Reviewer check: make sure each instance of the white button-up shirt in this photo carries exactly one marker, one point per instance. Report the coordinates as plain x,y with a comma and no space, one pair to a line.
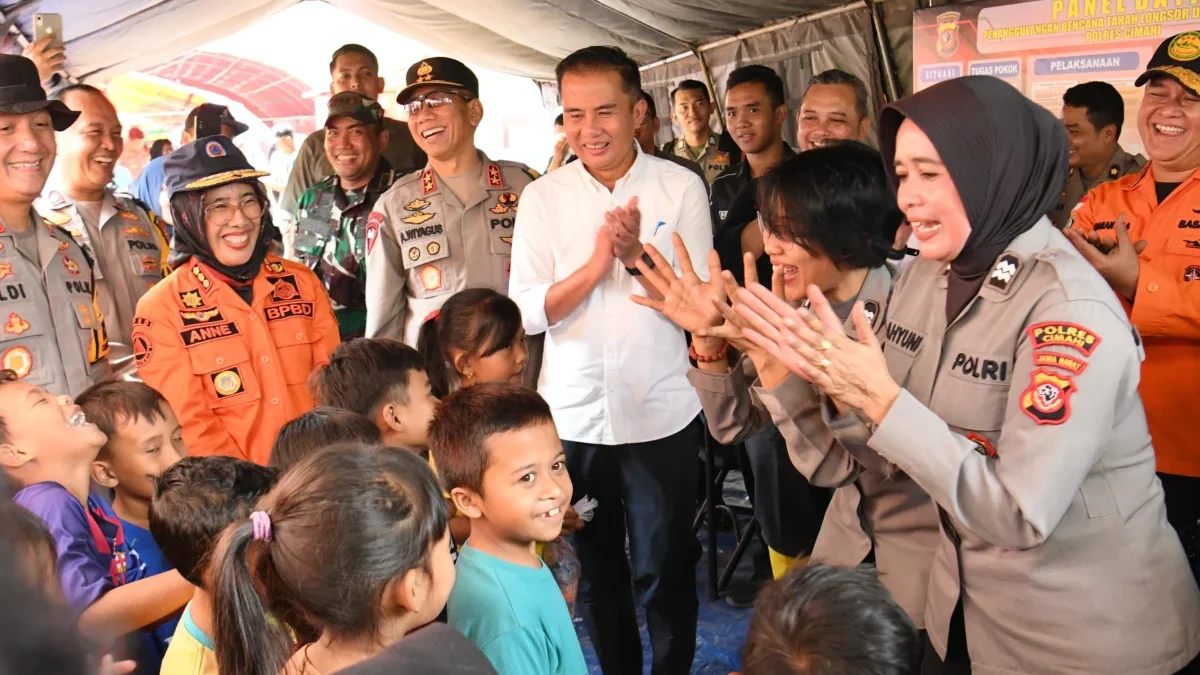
613,372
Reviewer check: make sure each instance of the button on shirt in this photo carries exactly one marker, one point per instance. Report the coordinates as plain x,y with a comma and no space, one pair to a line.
613,372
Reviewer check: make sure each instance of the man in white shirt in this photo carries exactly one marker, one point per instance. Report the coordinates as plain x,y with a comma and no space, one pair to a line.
615,373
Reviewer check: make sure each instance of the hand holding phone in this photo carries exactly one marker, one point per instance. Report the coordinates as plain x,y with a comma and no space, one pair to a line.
47,51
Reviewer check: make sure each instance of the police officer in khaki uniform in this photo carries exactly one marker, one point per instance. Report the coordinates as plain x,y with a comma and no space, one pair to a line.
122,237
51,328
450,225
691,108
1006,387
1093,113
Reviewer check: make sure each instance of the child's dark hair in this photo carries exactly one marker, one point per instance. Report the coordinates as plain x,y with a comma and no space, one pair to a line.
320,428
28,535
835,202
35,635
822,620
465,420
343,523
110,404
195,500
478,321
364,374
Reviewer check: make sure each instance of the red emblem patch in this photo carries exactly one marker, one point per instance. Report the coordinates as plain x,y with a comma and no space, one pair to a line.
1055,360
1047,400
71,265
373,223
495,179
982,445
428,182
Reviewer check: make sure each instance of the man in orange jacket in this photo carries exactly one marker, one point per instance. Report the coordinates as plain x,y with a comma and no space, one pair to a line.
231,336
1142,233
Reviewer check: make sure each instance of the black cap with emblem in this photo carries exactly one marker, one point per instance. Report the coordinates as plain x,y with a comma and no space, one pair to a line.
21,92
206,163
438,70
1178,58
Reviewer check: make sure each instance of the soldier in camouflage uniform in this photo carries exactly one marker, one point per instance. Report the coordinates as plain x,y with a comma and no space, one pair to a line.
331,235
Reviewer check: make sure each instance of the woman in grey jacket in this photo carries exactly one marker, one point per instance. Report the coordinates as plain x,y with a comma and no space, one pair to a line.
829,219
1006,387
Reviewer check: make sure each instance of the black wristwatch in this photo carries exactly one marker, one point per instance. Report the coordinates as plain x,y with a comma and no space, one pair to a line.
633,271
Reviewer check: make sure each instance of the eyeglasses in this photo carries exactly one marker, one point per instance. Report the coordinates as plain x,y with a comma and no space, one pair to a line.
433,100
223,212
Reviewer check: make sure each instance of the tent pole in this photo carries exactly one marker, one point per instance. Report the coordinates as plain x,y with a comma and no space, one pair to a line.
891,83
712,85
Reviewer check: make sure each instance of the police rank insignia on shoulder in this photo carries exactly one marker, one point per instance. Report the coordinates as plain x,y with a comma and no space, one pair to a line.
1004,272
494,177
871,310
274,267
1047,400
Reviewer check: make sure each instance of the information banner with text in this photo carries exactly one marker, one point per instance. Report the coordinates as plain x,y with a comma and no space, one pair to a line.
1044,47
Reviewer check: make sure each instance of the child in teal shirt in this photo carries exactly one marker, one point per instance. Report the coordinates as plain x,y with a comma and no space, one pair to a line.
498,452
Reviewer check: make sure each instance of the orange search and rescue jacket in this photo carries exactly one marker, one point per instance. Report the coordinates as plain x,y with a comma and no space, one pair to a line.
1166,307
234,373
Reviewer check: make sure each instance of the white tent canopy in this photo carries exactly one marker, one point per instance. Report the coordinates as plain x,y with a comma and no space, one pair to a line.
522,37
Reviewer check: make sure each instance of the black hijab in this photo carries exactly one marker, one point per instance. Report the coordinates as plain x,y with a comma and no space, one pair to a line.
191,239
1006,155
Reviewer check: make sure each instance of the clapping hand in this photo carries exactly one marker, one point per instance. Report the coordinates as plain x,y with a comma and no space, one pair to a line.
688,301
625,225
813,344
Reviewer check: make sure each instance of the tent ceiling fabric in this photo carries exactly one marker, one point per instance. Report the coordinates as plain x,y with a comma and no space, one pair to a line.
268,93
522,37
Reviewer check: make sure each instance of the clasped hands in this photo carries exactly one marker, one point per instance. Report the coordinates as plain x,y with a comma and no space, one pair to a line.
808,341
620,235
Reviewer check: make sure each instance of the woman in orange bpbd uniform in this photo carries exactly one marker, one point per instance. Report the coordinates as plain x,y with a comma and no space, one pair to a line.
231,336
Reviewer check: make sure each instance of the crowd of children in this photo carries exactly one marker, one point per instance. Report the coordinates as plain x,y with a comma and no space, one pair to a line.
428,488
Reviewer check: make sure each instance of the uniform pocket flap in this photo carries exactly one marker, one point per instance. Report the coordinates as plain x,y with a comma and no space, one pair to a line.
208,358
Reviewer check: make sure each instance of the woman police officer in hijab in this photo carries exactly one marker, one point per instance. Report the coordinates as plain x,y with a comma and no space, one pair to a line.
1006,388
231,336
